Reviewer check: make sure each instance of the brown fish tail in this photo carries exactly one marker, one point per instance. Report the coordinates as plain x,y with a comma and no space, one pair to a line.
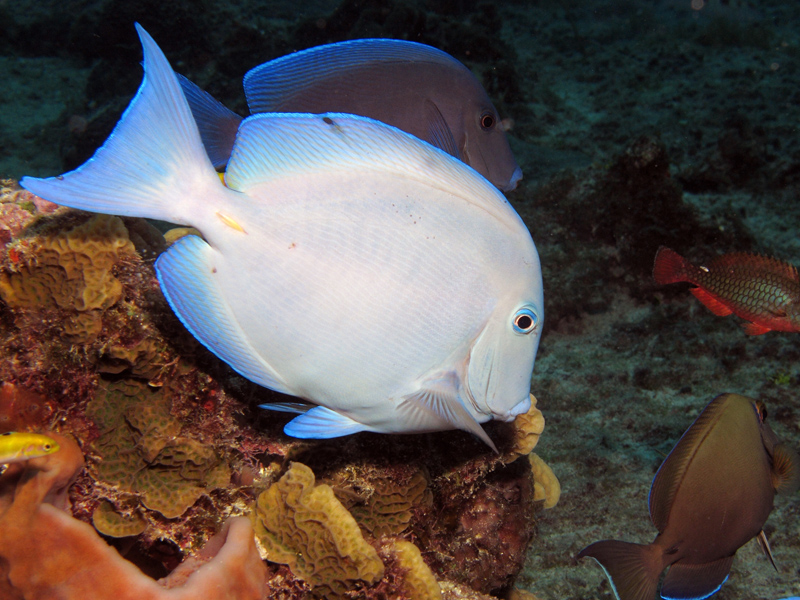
671,267
632,569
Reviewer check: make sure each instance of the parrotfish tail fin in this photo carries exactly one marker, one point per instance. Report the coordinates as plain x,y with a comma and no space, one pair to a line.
785,469
693,582
152,165
671,267
632,569
217,124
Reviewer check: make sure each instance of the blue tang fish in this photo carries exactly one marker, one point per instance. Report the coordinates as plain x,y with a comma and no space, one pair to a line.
712,494
415,87
343,261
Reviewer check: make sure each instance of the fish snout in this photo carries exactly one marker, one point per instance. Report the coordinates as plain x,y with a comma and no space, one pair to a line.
516,176
520,408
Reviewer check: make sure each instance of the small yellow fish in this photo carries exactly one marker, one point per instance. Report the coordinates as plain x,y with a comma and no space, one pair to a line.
22,446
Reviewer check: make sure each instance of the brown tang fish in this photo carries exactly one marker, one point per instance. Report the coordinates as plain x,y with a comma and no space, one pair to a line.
414,87
762,290
710,496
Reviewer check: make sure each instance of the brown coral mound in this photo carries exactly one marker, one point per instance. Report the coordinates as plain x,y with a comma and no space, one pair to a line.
45,553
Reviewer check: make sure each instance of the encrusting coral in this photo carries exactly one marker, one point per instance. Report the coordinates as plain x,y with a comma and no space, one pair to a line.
45,553
306,527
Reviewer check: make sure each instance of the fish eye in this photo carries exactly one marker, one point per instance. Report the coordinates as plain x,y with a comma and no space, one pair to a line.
487,121
47,446
525,320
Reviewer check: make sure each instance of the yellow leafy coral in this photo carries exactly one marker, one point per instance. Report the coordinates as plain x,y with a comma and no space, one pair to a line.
304,526
527,430
384,503
546,485
142,451
419,581
72,269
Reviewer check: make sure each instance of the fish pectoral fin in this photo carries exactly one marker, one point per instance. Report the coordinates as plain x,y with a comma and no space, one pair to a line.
755,329
685,581
437,405
439,133
323,423
711,302
763,542
785,469
188,277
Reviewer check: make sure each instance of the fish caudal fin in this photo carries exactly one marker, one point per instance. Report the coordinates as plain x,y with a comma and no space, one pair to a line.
152,165
632,569
692,582
671,267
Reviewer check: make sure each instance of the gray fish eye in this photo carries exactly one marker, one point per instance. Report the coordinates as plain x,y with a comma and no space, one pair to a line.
525,320
487,121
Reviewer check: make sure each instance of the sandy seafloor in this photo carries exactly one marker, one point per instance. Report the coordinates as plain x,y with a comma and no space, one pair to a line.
624,367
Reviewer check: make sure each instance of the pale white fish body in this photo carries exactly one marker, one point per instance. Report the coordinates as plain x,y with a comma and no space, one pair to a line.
346,262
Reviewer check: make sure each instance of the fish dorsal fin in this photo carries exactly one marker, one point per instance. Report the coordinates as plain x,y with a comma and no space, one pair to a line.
216,123
670,473
756,262
689,581
785,469
273,146
438,403
268,85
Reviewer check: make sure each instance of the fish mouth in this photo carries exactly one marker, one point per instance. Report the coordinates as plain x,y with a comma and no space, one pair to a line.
520,408
516,176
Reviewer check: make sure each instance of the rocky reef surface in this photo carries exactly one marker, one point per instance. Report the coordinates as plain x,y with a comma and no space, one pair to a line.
637,124
181,467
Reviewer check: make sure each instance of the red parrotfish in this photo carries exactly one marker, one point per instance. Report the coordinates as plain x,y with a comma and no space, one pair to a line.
762,290
711,495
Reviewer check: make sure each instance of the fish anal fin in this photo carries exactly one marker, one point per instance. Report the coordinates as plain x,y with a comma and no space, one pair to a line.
785,469
187,275
763,543
437,403
323,423
686,581
755,328
439,133
632,569
711,302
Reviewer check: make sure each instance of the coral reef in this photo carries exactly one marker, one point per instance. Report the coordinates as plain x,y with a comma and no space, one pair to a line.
305,526
175,445
546,486
45,553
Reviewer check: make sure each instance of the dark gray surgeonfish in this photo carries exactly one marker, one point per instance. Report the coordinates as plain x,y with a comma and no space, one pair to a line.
710,496
414,87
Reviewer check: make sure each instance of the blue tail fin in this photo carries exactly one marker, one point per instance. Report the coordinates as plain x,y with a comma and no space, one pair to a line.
152,165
